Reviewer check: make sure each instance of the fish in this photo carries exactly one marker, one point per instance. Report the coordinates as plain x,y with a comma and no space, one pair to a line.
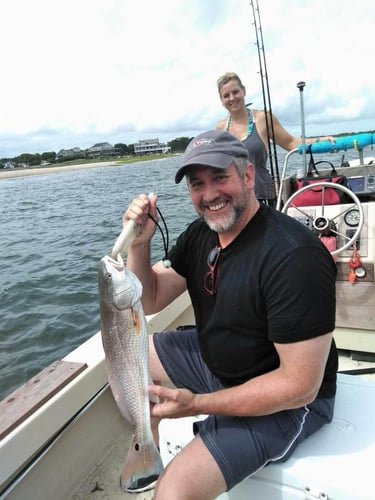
125,342
124,239
126,236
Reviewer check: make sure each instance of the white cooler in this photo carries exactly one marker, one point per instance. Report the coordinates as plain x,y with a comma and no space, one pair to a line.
335,463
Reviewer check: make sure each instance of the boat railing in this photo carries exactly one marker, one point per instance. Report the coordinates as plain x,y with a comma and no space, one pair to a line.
357,142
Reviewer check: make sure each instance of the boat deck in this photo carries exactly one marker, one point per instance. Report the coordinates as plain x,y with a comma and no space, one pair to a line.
103,482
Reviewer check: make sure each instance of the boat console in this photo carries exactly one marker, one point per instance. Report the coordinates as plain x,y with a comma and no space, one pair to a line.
361,180
352,221
362,184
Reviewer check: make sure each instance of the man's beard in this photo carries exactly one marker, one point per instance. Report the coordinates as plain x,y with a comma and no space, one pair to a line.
226,222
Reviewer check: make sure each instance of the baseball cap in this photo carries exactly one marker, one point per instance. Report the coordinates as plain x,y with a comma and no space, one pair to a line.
214,148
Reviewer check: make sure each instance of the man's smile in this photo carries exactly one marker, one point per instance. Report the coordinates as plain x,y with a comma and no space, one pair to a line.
216,207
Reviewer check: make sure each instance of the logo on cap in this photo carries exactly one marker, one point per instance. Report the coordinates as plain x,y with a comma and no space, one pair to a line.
202,141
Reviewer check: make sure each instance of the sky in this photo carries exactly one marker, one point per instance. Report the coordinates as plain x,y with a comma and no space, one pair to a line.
78,72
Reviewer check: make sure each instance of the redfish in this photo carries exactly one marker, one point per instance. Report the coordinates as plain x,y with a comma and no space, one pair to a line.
125,342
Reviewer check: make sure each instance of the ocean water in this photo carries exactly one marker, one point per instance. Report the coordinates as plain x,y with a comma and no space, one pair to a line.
54,230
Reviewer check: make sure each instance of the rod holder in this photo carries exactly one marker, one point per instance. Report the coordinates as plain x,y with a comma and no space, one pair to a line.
301,86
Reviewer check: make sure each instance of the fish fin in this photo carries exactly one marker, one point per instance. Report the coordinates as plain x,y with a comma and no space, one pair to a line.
142,468
136,320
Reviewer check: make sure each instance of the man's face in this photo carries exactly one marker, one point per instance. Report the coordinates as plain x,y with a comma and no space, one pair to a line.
220,196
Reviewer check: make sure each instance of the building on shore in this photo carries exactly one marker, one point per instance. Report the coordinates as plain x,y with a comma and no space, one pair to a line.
70,153
102,150
150,146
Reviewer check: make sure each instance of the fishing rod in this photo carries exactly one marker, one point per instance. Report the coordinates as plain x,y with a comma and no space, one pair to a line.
272,153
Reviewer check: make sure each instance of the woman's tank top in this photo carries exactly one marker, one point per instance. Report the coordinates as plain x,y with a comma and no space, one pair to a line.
258,156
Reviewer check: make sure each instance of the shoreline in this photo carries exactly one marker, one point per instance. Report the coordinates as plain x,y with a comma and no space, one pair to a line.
9,173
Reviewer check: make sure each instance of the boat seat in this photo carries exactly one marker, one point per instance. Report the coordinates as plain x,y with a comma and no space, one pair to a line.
336,462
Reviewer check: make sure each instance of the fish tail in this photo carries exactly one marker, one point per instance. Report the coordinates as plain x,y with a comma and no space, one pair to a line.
142,468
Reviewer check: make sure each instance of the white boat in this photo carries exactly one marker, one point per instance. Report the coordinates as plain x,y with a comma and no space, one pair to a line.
367,160
62,436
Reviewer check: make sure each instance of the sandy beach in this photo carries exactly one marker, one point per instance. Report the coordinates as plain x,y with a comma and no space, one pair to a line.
9,173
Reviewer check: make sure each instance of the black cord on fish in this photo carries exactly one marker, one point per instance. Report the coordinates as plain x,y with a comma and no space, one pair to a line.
166,262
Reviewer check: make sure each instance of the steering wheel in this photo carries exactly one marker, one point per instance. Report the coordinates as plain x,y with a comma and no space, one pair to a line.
322,223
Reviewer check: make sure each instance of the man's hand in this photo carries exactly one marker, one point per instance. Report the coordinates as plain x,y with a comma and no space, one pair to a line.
139,211
174,403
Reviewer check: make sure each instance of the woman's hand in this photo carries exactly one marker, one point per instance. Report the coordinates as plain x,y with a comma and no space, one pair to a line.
326,138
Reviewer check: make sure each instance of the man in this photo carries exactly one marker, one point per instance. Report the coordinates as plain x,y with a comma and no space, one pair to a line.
261,362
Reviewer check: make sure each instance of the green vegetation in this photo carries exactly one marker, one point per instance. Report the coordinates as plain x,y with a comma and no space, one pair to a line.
118,159
126,155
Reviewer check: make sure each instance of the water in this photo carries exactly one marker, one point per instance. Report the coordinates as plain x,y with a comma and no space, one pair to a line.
54,230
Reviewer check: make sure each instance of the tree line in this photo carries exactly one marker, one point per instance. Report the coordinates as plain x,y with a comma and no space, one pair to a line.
177,145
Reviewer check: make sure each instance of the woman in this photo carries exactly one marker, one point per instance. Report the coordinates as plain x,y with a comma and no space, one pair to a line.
251,128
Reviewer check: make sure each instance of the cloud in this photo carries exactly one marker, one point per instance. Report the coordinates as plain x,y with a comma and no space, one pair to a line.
80,71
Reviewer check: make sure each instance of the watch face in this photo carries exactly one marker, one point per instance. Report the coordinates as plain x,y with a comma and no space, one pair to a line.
352,217
360,272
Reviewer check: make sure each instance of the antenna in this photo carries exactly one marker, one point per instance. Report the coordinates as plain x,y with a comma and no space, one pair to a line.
272,153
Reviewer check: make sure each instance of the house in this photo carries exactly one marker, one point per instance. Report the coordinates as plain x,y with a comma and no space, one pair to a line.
9,164
101,149
149,146
70,153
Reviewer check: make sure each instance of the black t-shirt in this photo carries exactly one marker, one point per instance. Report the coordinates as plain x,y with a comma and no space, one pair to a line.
276,283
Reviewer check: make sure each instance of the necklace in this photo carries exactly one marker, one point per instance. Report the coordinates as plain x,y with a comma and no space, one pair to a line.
250,122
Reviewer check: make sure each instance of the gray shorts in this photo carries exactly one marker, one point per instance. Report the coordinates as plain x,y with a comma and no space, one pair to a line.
240,445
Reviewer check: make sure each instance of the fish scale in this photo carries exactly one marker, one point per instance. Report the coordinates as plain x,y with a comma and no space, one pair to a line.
125,342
